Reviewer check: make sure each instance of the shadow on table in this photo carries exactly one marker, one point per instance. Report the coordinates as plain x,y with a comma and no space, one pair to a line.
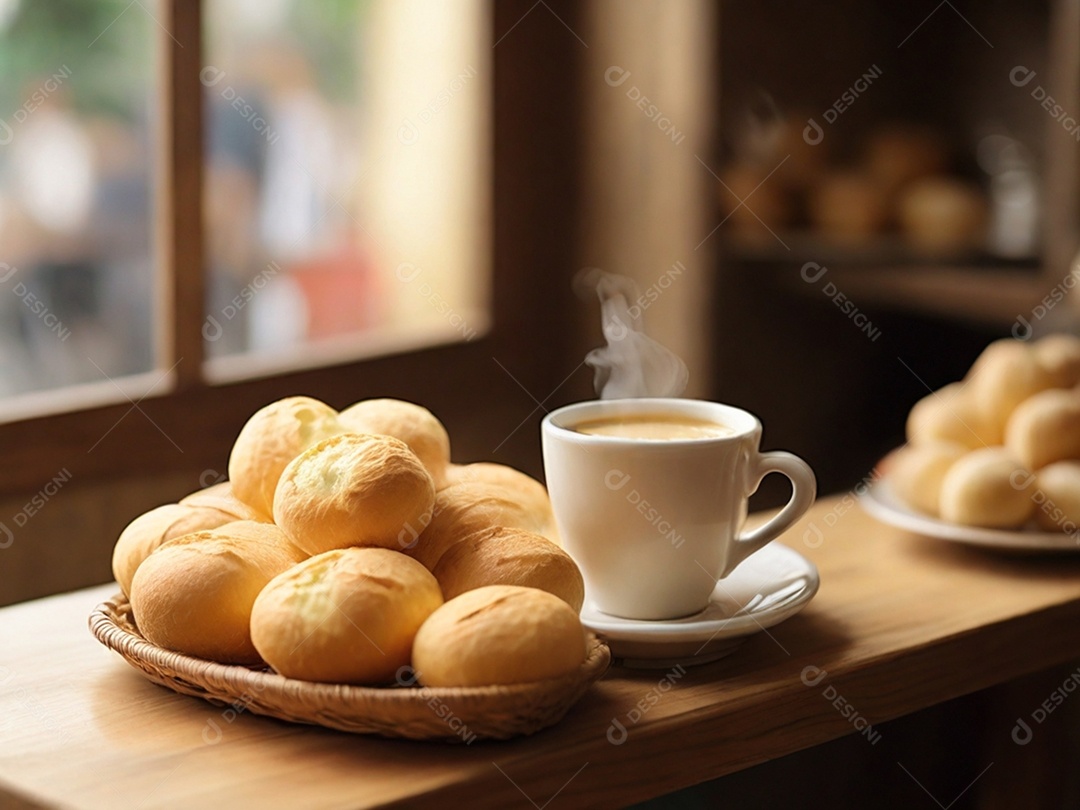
1049,565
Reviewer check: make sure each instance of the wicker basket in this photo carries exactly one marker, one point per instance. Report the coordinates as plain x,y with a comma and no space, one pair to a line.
451,714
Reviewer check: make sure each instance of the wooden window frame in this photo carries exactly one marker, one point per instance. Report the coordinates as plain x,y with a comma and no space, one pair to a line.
536,113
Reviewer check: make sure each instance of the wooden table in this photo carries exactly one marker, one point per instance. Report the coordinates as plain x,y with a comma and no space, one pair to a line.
900,623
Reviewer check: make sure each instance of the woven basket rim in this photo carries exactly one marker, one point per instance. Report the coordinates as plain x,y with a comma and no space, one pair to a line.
212,680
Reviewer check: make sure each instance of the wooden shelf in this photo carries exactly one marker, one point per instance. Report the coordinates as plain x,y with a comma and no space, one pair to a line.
886,272
979,295
885,250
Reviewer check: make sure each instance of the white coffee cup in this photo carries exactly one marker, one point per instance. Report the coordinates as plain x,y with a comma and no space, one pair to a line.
654,524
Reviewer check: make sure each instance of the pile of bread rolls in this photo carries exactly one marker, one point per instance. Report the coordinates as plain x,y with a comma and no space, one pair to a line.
1001,449
346,548
900,180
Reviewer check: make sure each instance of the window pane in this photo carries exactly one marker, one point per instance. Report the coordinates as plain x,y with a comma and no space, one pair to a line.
347,175
76,203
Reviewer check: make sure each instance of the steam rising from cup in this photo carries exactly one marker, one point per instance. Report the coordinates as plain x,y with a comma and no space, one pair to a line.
632,364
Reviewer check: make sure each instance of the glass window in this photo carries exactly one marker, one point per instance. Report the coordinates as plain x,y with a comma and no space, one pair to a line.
347,178
77,113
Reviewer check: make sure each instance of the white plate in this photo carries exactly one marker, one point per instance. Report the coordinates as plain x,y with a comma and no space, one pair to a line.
881,502
770,586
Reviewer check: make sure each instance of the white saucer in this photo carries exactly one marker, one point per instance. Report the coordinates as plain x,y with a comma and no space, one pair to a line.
881,502
770,586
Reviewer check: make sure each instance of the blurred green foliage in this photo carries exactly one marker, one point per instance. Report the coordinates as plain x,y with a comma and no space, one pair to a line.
328,32
105,44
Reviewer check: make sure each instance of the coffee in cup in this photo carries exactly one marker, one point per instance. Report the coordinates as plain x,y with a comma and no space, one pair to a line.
654,427
650,496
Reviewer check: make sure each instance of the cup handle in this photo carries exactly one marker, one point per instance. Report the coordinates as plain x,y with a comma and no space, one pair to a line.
803,492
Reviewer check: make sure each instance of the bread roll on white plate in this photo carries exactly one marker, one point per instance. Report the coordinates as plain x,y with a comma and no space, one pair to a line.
1004,375
1058,497
1046,428
1059,357
951,415
987,488
916,472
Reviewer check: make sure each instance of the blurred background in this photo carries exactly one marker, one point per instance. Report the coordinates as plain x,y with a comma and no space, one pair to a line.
826,211
829,210
310,199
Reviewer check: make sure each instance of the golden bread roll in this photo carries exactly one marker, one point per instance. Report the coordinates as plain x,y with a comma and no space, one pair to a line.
916,472
899,153
848,206
772,203
1003,376
1057,496
807,161
1059,357
220,496
149,530
500,634
504,556
413,424
194,594
355,489
942,215
527,489
1046,428
271,438
987,488
463,510
345,616
951,415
